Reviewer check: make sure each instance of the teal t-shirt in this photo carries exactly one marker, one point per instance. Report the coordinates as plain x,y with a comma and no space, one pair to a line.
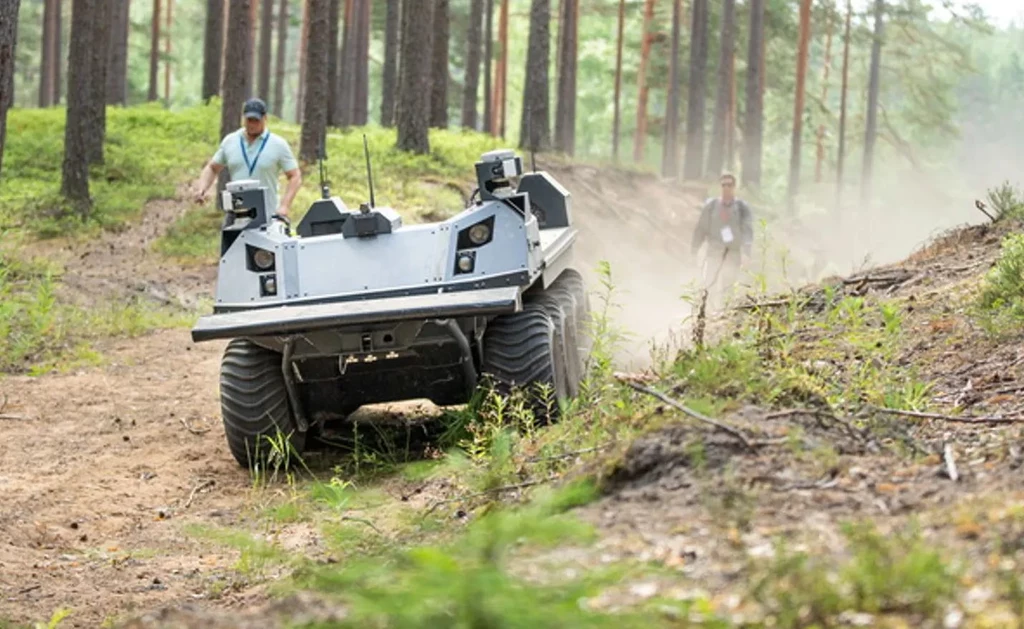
264,159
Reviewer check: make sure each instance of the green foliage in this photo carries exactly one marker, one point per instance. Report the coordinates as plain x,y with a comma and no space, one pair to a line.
38,332
899,572
147,152
1007,201
1002,290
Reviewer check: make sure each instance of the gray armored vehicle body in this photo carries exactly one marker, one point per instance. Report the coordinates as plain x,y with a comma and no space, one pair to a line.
358,308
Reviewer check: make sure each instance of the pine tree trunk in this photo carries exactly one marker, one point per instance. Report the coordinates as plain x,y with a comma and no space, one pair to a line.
390,78
280,57
314,119
731,126
167,52
213,45
250,74
720,126
360,109
48,53
871,126
501,85
346,97
154,53
565,112
117,58
8,47
488,127
617,116
439,69
693,162
798,104
841,152
413,112
534,130
266,45
300,99
753,118
236,62
825,71
58,59
334,16
472,84
96,113
75,167
670,149
640,136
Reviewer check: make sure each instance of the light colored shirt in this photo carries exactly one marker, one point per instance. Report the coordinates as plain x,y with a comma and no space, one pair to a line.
724,226
246,160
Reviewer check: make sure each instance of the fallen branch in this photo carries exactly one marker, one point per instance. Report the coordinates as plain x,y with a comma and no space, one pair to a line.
19,418
566,455
199,487
764,304
947,455
978,203
194,431
486,492
990,419
736,434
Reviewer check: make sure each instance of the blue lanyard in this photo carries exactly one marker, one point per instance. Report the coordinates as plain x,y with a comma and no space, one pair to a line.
245,155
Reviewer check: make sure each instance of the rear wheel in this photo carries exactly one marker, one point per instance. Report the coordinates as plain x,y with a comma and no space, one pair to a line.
254,403
521,351
570,286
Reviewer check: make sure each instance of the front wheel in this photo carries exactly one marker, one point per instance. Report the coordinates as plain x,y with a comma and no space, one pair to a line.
258,421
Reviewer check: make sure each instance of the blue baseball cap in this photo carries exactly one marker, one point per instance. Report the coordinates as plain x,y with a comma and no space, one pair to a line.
254,108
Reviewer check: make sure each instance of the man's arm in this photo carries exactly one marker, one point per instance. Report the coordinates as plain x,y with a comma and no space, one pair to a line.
294,183
290,166
206,179
700,231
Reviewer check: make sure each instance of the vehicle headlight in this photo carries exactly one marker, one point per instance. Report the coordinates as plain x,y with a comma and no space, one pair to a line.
478,233
465,263
263,259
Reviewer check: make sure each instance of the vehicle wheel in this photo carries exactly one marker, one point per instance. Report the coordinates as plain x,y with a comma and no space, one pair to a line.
571,281
254,402
521,350
560,305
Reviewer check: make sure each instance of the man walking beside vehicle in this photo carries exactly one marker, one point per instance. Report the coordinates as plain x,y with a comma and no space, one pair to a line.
726,225
253,152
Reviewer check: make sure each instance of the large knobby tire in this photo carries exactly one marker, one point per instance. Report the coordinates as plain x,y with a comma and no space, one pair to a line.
560,306
521,351
571,282
254,402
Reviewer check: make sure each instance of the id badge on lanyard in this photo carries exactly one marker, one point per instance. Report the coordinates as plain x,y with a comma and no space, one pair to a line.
245,155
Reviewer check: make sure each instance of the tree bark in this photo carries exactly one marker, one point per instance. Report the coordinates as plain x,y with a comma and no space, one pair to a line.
565,112
300,99
48,57
154,53
75,166
251,65
266,44
501,84
439,68
825,71
534,130
693,162
333,71
8,47
871,126
279,61
670,149
617,116
720,125
472,84
314,119
213,45
488,66
236,63
390,78
346,97
58,60
167,53
841,153
413,113
96,115
798,104
753,119
640,136
117,58
360,109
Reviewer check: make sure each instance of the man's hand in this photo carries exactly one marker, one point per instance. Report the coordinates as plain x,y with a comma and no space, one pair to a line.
200,196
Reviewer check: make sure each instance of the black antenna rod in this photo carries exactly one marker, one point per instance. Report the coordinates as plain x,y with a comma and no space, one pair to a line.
369,171
325,191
